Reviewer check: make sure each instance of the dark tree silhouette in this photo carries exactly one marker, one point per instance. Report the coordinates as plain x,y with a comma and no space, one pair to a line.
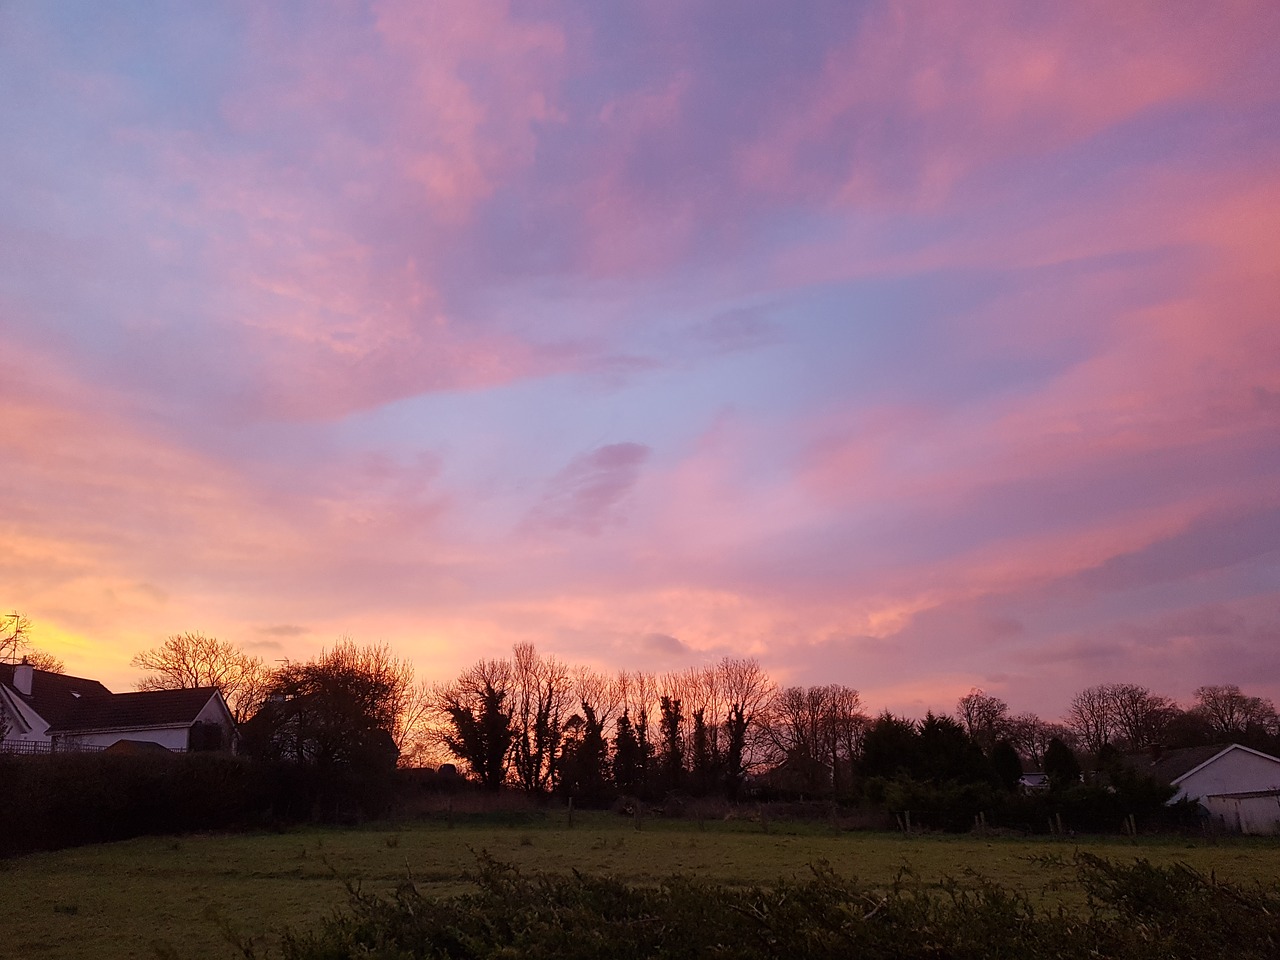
480,730
1007,765
584,767
337,710
1061,766
628,758
482,736
671,757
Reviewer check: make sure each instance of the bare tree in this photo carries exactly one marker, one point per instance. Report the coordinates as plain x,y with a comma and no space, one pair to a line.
1232,713
984,717
1031,737
599,692
1138,715
14,630
796,720
746,691
639,690
1121,714
43,660
541,699
847,725
1091,717
15,645
818,732
188,660
413,734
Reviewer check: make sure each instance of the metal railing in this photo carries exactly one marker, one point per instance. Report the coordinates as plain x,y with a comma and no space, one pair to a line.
44,748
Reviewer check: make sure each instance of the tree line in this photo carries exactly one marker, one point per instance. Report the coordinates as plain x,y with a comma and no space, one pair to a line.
534,723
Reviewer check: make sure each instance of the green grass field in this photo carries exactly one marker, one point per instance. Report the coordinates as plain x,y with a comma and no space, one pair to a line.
173,897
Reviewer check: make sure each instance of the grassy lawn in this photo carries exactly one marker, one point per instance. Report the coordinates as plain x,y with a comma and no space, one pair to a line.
172,897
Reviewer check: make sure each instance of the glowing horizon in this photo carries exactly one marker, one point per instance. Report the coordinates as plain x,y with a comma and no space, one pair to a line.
910,349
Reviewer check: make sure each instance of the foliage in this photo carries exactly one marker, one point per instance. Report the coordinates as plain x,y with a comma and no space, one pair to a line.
260,880
888,747
1061,766
671,744
1006,765
937,750
482,736
479,729
1137,912
585,763
74,799
336,711
628,757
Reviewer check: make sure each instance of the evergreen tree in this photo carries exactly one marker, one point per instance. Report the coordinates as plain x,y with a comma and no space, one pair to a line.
701,761
628,758
1061,766
1007,765
584,768
483,739
672,759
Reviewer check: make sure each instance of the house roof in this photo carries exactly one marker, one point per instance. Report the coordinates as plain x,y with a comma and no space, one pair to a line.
72,704
152,708
1174,765
56,696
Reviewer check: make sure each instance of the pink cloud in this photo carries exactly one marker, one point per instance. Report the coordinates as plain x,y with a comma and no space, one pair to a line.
585,496
926,98
469,132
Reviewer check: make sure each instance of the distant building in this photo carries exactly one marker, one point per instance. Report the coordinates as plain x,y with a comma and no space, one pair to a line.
1034,782
1236,785
44,712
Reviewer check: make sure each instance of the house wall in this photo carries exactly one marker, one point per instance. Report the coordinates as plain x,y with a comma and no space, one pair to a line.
1252,815
215,711
1237,771
24,723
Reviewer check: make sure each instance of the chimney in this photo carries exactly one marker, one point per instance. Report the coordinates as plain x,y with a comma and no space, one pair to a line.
22,675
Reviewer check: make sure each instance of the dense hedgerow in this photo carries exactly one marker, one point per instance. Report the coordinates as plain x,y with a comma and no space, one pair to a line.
78,798
1135,912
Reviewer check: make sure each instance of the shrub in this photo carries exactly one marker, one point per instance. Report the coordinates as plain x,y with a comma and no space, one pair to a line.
77,798
1136,912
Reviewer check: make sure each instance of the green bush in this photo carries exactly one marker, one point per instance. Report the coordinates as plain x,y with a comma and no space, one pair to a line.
1135,912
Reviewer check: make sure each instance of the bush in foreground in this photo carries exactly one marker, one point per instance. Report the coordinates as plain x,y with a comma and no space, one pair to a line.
1135,912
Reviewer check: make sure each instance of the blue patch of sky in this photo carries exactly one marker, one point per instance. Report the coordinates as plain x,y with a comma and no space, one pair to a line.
172,67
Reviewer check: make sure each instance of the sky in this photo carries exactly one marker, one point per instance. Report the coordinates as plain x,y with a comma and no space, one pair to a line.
912,346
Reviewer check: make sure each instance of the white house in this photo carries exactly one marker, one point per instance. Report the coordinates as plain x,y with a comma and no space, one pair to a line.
1239,786
45,712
